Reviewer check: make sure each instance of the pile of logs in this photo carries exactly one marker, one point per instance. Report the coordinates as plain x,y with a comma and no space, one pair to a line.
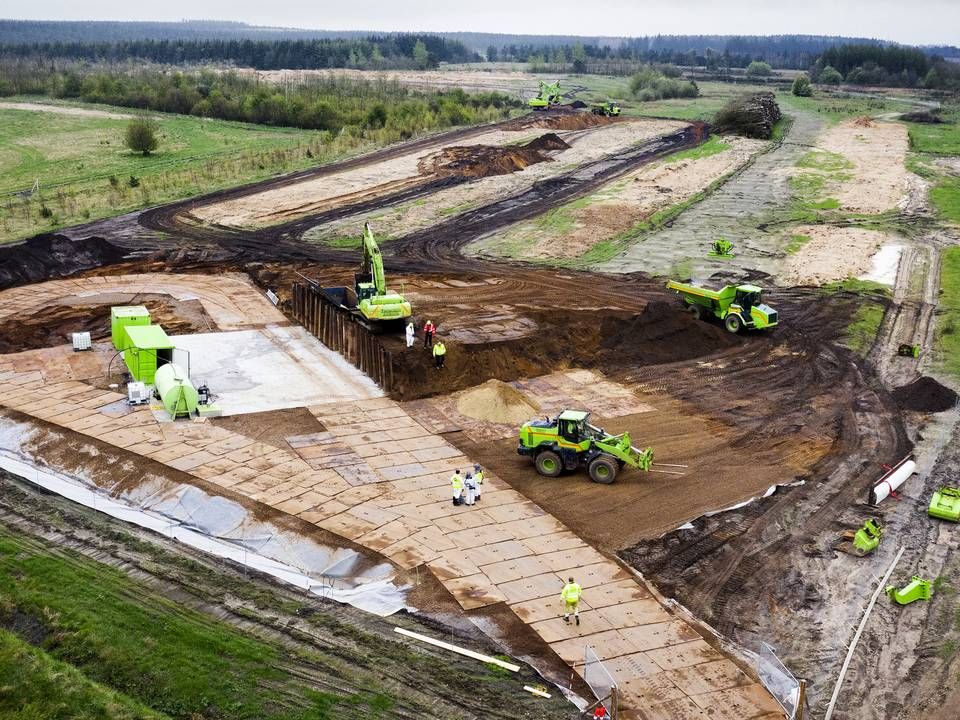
752,116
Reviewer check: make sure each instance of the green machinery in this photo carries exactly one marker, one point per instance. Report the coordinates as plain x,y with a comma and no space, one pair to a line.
122,316
176,392
916,589
738,306
608,108
861,542
369,299
945,504
912,351
146,349
548,96
721,248
569,441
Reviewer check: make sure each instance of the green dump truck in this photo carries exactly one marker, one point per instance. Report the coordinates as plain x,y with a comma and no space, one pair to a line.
738,306
569,441
609,109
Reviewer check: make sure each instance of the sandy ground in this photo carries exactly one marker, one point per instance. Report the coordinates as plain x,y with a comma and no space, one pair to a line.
833,253
877,150
585,146
63,110
623,204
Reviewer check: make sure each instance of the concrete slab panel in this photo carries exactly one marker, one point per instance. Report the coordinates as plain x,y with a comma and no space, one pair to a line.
507,570
619,592
528,588
555,629
544,608
635,613
658,635
748,701
684,655
474,591
606,644
709,677
269,369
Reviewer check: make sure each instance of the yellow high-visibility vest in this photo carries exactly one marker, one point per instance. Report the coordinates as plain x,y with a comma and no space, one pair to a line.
439,349
571,593
456,482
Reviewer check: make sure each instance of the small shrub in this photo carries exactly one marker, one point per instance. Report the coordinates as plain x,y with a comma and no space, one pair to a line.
141,135
45,212
758,68
134,181
801,86
830,76
114,181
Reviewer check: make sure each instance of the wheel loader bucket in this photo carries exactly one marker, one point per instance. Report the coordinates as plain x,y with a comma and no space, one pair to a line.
916,589
945,504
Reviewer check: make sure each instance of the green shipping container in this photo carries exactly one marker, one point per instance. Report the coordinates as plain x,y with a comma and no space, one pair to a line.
123,315
147,348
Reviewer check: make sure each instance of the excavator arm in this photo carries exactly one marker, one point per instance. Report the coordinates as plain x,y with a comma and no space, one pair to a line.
372,261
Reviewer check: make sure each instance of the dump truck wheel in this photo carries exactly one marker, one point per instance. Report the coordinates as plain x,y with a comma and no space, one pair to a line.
695,311
603,469
733,323
549,463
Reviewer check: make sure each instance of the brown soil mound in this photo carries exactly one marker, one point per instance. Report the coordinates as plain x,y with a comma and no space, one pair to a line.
925,395
863,121
479,161
547,141
497,402
563,121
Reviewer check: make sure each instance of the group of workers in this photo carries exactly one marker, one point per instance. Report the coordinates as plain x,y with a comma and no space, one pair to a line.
467,490
438,349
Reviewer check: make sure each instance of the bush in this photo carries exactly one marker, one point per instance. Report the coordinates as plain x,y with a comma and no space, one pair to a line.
758,68
45,212
650,84
830,76
142,135
801,86
134,181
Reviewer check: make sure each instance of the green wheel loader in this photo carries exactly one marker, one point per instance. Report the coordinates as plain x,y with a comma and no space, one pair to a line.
569,441
738,306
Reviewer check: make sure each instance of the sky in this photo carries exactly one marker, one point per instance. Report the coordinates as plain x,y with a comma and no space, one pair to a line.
907,21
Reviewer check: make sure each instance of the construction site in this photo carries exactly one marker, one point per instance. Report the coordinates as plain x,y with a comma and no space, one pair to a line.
677,420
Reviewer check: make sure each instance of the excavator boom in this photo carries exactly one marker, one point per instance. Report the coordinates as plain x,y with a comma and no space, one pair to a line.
372,261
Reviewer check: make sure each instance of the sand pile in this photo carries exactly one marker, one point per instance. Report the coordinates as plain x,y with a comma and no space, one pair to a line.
497,402
547,141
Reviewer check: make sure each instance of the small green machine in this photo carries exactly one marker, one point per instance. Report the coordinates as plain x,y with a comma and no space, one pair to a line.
738,306
945,504
548,96
608,108
569,441
912,351
721,248
916,589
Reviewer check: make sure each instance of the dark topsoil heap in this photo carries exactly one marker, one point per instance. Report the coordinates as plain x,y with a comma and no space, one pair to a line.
47,257
752,116
925,395
479,161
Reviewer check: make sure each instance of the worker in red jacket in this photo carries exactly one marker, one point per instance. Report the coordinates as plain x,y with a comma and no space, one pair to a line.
428,330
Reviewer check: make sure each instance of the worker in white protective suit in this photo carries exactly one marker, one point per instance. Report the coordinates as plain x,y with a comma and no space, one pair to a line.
411,334
471,486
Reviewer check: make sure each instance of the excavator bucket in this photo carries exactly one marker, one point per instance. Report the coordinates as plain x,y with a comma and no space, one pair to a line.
912,351
945,504
721,248
916,589
867,538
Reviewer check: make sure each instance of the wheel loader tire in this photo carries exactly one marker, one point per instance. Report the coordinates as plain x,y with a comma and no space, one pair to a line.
696,311
603,469
549,463
733,323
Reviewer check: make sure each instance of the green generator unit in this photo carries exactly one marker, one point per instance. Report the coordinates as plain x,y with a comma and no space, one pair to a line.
147,348
123,316
945,504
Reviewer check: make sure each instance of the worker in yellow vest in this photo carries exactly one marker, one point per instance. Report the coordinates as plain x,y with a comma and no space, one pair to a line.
478,479
456,484
571,600
439,353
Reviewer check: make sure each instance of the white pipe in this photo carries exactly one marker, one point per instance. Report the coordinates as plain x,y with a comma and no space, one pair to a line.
458,650
536,691
894,478
856,637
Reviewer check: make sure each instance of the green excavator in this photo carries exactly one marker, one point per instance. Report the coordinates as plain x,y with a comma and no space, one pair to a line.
369,300
548,96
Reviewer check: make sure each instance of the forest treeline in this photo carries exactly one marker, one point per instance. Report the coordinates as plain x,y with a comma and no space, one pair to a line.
321,103
376,52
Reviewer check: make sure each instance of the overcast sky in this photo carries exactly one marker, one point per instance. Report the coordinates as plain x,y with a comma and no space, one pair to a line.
908,21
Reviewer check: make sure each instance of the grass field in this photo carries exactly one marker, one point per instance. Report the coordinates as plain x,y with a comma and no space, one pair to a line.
713,96
84,170
835,107
110,642
940,139
948,313
865,323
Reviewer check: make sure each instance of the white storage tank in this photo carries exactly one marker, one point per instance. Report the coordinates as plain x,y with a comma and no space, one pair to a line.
176,391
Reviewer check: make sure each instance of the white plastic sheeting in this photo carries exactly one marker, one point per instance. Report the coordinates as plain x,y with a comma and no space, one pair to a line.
223,528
